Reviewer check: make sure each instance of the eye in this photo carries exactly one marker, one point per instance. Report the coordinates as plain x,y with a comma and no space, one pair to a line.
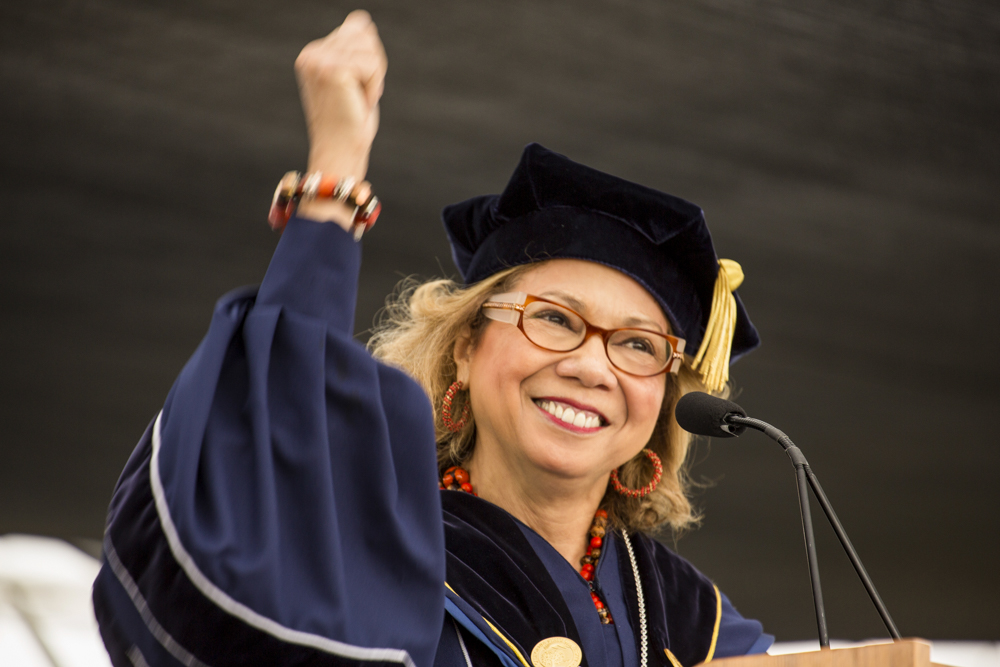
554,317
637,344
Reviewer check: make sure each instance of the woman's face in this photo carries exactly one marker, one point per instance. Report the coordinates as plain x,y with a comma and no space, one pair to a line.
515,386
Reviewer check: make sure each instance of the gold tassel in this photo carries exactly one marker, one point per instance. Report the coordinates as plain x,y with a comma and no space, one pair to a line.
712,360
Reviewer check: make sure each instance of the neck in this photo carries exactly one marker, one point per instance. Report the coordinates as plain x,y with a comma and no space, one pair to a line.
560,510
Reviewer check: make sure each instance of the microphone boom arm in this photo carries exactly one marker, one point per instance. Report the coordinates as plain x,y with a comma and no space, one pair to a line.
851,553
801,480
804,475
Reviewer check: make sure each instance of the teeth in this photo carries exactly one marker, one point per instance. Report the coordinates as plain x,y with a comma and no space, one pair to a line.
571,416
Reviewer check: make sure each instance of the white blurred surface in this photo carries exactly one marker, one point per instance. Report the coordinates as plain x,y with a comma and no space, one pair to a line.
46,617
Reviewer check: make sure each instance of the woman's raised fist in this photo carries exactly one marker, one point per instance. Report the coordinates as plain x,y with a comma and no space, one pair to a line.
341,78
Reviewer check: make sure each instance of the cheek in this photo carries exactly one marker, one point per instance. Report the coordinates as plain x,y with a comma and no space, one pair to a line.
644,404
497,365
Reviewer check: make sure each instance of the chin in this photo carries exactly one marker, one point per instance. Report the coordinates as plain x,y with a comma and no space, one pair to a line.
565,459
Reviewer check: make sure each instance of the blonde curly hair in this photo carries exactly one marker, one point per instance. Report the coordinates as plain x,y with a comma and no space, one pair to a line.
417,333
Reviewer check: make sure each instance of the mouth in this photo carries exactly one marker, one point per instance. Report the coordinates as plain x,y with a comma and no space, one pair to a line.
571,415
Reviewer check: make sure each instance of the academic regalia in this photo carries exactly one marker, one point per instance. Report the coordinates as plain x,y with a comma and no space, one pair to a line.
505,572
283,509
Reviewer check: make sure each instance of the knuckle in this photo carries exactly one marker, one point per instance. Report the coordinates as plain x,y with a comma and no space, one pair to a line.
306,57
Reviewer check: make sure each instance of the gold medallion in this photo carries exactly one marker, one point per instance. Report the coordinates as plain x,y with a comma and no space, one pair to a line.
556,652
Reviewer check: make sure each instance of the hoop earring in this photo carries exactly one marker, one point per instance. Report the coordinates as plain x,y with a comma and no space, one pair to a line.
646,490
449,395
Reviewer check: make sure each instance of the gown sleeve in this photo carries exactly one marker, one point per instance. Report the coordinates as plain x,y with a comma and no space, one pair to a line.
739,635
283,508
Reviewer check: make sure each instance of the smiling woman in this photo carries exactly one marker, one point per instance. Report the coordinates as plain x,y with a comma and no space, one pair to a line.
566,372
286,505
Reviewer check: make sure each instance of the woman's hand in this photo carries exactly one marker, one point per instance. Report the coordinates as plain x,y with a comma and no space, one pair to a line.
341,78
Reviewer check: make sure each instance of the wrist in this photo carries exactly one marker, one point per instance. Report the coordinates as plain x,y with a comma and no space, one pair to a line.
340,161
320,210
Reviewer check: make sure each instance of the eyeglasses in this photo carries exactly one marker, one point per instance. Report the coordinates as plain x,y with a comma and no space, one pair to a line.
557,328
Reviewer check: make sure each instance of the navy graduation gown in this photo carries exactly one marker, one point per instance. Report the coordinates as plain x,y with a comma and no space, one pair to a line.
520,594
283,509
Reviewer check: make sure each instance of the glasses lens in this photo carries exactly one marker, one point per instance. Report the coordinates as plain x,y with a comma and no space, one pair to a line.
639,352
552,327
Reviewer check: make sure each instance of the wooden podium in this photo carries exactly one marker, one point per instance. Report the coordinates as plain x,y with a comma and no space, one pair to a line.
904,653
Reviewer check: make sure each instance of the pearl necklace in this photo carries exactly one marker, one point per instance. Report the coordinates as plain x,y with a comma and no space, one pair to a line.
457,479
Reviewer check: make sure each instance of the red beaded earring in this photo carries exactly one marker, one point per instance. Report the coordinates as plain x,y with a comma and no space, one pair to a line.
646,490
449,395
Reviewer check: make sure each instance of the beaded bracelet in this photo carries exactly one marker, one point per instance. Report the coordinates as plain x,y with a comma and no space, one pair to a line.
295,187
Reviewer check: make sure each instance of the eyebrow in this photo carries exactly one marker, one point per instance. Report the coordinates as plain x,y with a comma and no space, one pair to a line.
580,307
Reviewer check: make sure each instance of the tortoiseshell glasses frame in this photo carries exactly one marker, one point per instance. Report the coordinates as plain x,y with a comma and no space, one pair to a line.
558,328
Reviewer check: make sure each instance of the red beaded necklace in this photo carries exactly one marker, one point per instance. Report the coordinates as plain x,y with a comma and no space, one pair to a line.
457,479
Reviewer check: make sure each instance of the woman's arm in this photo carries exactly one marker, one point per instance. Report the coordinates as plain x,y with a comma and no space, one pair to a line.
283,507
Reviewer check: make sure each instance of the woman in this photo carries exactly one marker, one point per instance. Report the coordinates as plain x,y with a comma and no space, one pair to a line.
284,507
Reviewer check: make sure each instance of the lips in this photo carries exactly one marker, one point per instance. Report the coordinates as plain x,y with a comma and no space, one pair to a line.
573,415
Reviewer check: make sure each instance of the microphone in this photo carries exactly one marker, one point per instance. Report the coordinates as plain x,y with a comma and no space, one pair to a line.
702,414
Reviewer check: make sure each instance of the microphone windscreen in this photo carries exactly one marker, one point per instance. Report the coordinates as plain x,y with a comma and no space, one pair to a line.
702,414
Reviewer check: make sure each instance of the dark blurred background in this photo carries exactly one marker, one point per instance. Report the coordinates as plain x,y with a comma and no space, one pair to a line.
847,154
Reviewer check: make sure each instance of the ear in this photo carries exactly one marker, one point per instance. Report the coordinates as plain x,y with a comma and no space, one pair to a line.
463,354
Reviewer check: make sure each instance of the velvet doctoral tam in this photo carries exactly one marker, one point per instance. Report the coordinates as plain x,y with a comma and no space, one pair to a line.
553,208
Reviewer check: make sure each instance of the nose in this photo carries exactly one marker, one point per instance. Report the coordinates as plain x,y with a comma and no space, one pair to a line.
589,364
